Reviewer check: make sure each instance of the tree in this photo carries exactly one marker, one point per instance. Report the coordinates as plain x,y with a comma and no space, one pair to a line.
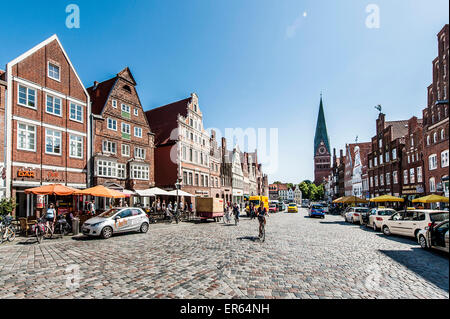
304,187
7,205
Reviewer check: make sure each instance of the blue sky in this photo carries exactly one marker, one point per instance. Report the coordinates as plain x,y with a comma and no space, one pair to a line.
253,63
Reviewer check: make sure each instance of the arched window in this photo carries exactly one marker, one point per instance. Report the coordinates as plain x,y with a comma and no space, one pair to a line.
432,183
435,137
428,139
442,134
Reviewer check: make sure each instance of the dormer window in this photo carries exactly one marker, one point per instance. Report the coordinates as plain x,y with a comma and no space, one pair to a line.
53,71
127,88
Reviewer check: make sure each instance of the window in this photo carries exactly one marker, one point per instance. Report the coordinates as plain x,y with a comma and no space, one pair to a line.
138,132
387,157
184,153
435,137
412,141
26,137
52,142
428,139
139,172
53,105
190,154
409,159
370,163
388,178
432,162
185,180
106,168
419,174
76,112
114,104
206,182
139,153
442,134
126,128
380,143
121,171
136,112
125,150
394,177
381,180
405,176
53,71
76,146
376,180
109,147
27,97
125,108
112,124
381,159
190,179
432,185
444,158
394,154
196,180
375,161
412,176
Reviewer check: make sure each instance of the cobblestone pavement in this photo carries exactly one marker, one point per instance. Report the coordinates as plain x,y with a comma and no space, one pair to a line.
301,258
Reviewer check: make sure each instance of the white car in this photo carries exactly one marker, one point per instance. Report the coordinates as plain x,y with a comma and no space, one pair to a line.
352,214
378,215
411,222
435,236
116,220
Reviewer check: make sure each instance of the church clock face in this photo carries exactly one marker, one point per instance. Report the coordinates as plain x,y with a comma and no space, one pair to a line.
322,150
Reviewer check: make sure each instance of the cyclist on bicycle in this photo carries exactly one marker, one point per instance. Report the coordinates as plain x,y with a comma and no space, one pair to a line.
50,216
261,214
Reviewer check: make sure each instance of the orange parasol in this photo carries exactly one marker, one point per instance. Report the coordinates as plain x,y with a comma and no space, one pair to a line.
101,191
52,189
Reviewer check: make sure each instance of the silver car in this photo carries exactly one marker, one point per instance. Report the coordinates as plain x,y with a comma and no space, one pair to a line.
116,220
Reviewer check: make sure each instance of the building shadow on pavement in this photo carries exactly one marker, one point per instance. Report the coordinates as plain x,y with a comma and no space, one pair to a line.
399,239
341,222
429,265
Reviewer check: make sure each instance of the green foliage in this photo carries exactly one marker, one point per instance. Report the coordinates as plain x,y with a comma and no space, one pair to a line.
311,191
7,205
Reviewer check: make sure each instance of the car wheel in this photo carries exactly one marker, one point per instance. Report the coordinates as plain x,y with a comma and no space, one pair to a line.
374,226
107,232
386,230
423,242
144,228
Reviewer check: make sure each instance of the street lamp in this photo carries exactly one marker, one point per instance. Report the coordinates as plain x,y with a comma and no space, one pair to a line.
178,186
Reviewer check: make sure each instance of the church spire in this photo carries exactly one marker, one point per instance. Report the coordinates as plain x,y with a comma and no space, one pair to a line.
321,129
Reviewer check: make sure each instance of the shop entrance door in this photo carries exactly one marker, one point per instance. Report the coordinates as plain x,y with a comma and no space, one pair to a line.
21,200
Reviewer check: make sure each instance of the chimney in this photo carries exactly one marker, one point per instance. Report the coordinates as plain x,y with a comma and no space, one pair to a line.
95,85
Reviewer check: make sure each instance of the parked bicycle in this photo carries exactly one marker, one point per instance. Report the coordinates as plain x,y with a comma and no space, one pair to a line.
7,232
62,226
41,230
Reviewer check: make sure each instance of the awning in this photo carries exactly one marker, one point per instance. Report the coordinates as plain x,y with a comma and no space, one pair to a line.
431,199
52,189
386,198
180,193
128,192
155,191
353,199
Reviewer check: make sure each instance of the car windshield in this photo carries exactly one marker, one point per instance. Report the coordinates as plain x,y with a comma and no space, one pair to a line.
438,217
109,213
385,212
361,210
292,204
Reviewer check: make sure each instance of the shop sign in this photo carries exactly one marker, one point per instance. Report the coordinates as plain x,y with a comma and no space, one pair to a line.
25,173
40,201
52,174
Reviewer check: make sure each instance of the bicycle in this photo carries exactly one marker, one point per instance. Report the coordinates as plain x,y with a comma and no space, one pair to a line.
41,230
62,226
7,232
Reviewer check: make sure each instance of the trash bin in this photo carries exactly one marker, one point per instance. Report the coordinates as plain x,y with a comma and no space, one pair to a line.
75,226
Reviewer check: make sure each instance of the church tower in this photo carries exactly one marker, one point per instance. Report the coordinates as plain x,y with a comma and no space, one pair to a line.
322,153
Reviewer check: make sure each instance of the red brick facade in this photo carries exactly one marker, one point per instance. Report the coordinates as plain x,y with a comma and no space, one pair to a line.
123,145
436,121
2,133
48,109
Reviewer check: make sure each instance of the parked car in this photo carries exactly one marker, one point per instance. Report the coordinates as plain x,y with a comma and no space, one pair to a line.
410,222
292,207
353,213
281,207
116,220
273,208
434,236
377,216
316,210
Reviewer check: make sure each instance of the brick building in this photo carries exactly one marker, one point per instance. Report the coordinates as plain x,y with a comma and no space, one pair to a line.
182,150
215,167
356,168
273,192
226,171
412,161
47,115
338,175
2,133
435,121
385,157
123,144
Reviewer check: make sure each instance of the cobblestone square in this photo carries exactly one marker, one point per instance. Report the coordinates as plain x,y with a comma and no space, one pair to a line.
301,258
